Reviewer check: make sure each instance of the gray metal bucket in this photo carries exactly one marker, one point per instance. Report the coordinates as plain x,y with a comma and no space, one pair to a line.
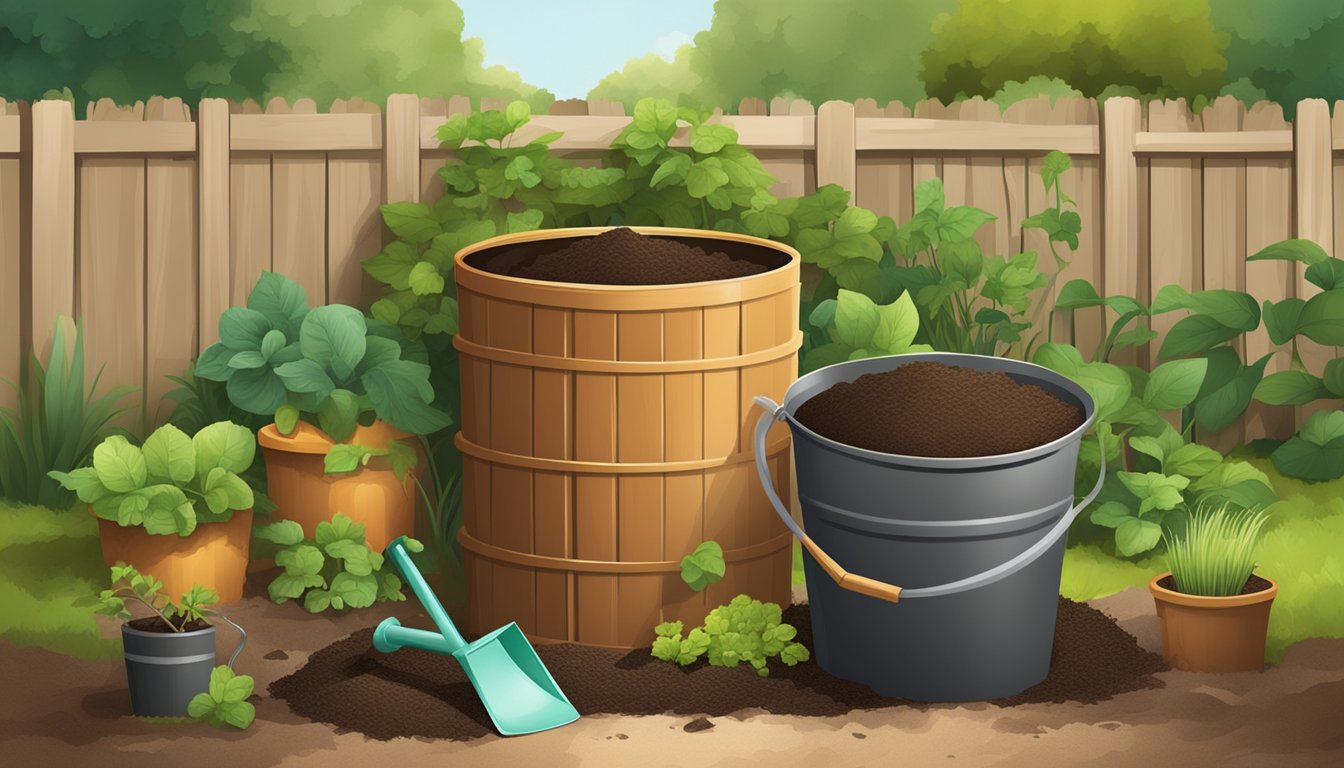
976,545
165,670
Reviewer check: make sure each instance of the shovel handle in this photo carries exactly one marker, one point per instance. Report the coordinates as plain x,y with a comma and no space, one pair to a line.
396,552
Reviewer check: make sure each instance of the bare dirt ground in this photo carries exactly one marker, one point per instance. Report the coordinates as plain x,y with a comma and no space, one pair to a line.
58,711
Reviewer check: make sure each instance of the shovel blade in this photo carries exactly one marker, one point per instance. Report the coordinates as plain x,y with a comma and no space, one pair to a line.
518,691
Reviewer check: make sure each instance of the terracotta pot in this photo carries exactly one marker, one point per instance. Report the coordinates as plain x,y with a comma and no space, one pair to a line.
1213,634
371,495
214,555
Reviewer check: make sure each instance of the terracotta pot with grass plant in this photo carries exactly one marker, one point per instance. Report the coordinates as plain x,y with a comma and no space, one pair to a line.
1212,610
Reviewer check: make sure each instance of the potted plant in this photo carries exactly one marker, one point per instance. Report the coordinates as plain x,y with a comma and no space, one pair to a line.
170,654
1213,611
175,506
327,376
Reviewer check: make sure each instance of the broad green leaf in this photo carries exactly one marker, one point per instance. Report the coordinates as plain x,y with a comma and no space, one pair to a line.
393,264
1077,294
1326,275
929,195
344,457
84,482
300,560
1135,536
286,419
226,445
355,591
339,416
826,354
271,343
855,221
121,466
1111,514
1334,376
401,395
1304,251
355,556
856,319
1165,443
897,324
1053,165
247,359
1195,335
257,390
1174,384
1154,489
822,314
317,600
1060,358
338,528
1192,460
334,332
1107,384
237,493
1290,388
282,301
402,456
522,221
1317,451
413,222
168,511
517,113
1281,319
962,258
1226,400
707,139
703,566
242,329
286,533
1322,318
654,116
961,222
425,279
169,456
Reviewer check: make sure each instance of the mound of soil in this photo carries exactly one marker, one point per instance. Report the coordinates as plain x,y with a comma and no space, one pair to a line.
625,257
931,409
411,693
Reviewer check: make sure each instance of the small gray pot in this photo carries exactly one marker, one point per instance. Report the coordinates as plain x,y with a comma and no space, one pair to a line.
166,669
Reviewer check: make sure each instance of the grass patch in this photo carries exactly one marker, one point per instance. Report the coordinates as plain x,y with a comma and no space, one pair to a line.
50,571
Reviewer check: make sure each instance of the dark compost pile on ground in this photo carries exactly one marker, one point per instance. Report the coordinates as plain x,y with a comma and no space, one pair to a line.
413,693
931,409
625,257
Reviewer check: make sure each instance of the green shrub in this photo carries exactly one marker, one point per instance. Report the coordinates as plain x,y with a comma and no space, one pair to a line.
744,630
56,425
334,569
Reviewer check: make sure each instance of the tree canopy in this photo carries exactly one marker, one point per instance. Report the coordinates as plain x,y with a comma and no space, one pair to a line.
1159,47
323,49
793,48
1284,51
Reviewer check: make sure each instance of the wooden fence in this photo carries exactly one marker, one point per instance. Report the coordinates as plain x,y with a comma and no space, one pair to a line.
148,221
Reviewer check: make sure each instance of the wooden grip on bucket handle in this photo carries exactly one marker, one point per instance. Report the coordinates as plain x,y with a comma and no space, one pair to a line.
846,580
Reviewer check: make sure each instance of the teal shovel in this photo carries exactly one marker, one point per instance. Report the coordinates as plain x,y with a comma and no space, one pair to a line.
516,688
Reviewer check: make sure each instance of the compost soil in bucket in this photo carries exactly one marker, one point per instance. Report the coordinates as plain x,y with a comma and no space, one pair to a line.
932,409
416,694
624,257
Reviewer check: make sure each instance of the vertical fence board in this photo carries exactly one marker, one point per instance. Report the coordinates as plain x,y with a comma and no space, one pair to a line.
213,202
52,279
11,269
836,156
1123,268
171,266
299,213
112,271
249,222
1225,231
1269,212
1315,208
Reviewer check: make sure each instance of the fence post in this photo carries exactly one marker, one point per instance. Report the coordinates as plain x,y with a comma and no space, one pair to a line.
52,282
212,157
401,149
837,158
1315,206
1120,213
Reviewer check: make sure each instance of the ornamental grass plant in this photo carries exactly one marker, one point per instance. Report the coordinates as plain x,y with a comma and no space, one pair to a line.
1214,554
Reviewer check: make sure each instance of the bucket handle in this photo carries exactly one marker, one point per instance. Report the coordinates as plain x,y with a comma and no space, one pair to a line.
242,633
881,589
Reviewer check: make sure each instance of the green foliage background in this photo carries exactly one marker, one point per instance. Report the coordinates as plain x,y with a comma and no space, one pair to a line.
322,49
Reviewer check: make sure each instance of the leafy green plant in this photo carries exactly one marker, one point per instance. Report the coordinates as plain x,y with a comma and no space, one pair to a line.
704,566
334,569
344,458
1316,452
744,630
58,422
225,702
129,584
329,365
857,328
172,483
1213,554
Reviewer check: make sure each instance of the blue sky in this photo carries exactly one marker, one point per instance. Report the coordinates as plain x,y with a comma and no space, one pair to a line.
567,47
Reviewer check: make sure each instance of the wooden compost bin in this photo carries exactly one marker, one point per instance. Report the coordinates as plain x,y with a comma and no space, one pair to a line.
606,433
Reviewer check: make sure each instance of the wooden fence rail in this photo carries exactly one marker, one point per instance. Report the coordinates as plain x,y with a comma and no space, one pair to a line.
148,221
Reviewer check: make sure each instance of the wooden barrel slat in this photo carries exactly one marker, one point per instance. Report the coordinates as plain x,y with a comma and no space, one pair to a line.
568,388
